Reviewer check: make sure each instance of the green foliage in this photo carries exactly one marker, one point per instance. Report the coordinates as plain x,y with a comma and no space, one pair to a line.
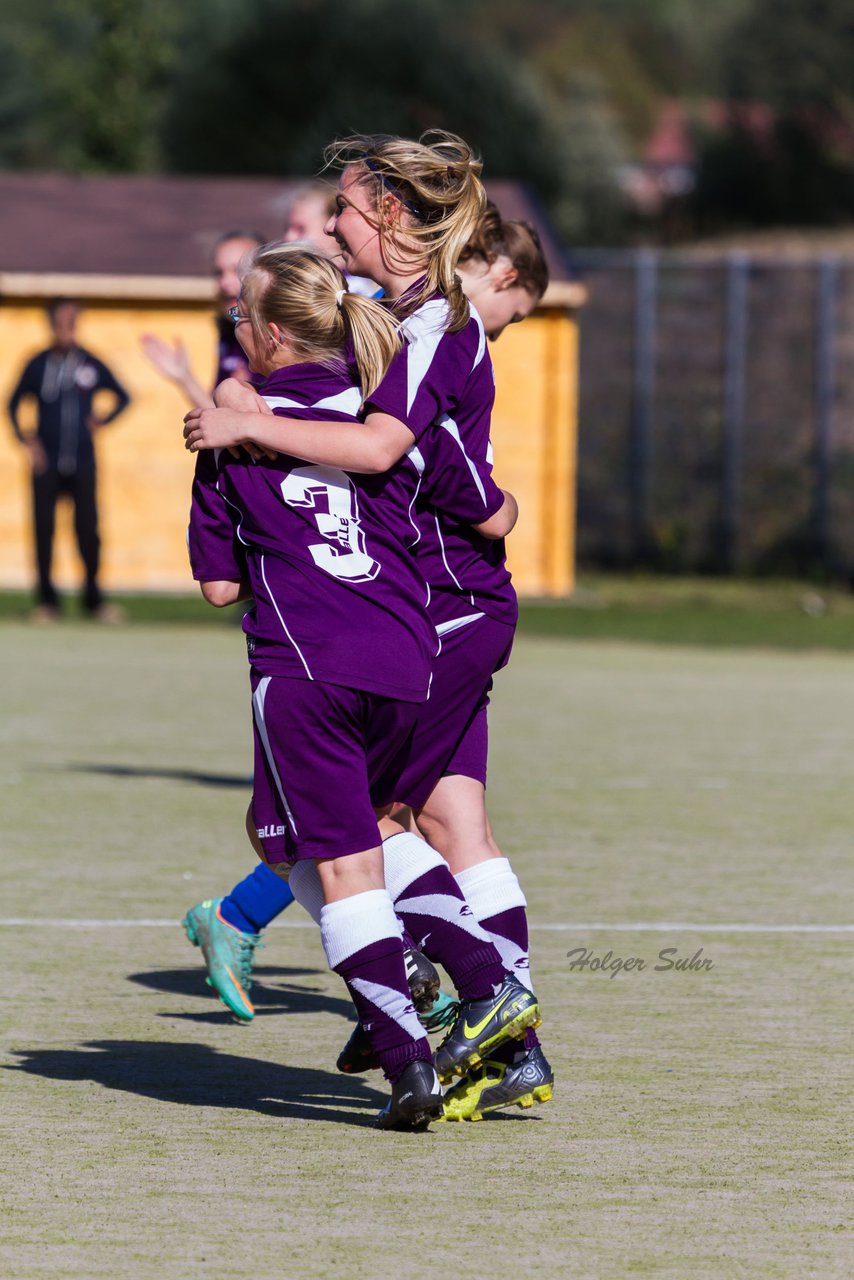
86,81
795,59
557,93
790,53
268,96
591,207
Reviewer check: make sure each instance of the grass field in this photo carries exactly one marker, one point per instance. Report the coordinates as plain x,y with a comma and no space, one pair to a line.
695,799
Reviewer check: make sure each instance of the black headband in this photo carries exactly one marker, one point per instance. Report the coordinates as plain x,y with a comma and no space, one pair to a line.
391,186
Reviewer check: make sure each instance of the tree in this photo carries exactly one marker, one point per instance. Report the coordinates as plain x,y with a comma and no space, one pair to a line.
268,95
793,61
84,81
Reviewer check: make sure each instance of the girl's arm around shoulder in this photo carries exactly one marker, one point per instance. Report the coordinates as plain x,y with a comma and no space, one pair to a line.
367,448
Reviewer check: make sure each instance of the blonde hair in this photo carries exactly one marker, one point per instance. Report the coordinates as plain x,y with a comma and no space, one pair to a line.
297,288
517,241
437,181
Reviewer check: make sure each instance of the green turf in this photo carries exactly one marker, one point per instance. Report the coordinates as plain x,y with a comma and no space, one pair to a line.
709,612
700,1121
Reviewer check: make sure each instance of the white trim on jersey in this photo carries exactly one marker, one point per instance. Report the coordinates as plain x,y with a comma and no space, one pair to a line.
258,700
456,582
261,560
425,329
283,402
234,506
481,344
445,628
416,457
448,424
349,401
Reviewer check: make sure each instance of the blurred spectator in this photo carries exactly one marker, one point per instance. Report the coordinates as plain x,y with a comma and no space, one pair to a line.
63,381
173,361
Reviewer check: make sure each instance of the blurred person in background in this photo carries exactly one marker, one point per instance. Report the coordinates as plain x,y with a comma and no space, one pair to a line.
173,360
307,215
312,207
63,381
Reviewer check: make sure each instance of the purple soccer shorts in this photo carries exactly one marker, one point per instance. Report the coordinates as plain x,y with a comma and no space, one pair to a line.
325,758
450,731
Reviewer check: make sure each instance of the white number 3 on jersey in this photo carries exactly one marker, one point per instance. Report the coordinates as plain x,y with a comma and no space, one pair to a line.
331,495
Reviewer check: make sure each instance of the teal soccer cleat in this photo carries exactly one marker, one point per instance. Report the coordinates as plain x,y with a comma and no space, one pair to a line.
228,955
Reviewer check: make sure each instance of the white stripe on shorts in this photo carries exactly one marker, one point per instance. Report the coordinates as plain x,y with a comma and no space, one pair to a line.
258,700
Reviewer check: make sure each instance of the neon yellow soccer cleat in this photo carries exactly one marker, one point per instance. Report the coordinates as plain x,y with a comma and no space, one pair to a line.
499,1084
483,1024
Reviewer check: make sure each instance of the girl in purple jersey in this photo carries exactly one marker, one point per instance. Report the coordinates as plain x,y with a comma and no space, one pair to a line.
405,213
340,648
503,273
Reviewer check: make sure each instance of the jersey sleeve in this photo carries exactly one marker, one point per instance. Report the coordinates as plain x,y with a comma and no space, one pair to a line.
425,379
215,553
455,483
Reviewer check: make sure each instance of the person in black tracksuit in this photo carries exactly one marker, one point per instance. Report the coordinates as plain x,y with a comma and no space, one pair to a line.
64,380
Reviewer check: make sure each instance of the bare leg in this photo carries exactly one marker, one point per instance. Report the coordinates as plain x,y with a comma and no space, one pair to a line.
357,873
454,821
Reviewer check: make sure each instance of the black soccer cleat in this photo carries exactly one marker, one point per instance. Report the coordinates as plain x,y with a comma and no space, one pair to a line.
424,981
358,1053
481,1025
493,1085
416,1099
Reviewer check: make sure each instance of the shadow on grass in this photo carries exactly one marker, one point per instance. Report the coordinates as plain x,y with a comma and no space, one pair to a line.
178,775
195,1075
282,998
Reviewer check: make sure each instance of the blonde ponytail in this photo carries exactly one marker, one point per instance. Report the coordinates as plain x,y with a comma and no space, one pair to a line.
298,289
437,181
375,337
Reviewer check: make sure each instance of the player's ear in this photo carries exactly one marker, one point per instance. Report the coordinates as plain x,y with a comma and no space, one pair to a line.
390,209
504,274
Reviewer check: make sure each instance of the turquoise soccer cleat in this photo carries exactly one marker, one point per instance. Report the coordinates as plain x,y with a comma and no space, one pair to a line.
228,955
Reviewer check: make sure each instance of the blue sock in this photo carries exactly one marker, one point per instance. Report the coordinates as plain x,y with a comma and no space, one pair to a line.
257,900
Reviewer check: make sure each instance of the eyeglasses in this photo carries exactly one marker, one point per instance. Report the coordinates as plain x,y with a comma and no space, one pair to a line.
234,315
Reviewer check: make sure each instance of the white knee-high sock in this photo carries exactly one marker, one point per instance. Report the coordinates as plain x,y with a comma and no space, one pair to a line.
496,898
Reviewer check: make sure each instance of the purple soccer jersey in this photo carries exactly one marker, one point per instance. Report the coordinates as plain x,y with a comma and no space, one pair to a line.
446,380
338,595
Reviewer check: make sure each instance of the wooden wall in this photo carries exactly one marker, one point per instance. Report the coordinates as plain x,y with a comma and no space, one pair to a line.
145,473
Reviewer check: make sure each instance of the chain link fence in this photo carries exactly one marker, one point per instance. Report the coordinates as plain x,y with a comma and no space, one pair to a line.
716,423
